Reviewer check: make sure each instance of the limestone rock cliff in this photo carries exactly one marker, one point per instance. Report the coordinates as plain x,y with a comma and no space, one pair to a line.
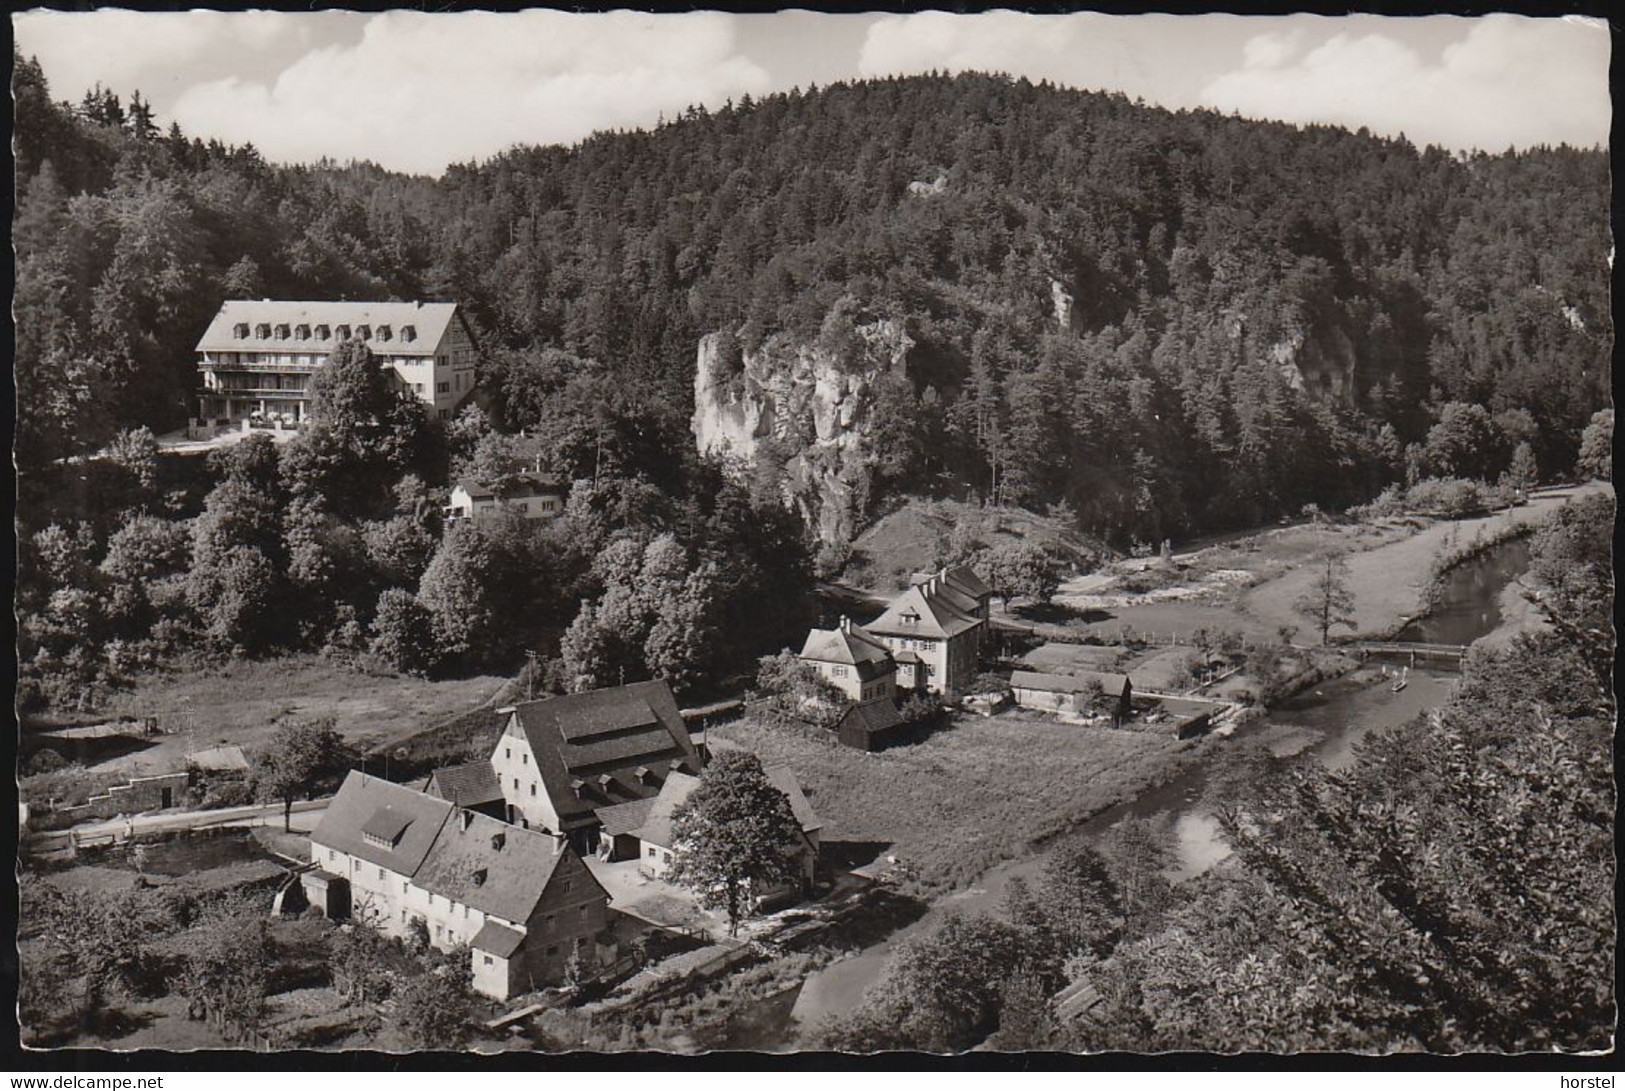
794,405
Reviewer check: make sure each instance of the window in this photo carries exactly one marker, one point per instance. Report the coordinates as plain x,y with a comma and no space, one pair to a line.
547,921
653,852
431,901
445,414
507,751
564,886
302,332
516,784
417,388
409,333
582,912
840,672
364,332
487,960
533,788
384,333
438,930
324,332
331,855
344,333
263,331
380,875
465,912
524,759
442,388
403,916
240,331
282,331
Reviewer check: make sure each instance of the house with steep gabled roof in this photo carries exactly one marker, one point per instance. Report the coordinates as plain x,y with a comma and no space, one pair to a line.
397,859
561,760
934,631
853,661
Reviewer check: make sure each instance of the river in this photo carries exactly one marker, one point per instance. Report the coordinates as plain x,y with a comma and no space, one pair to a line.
1324,723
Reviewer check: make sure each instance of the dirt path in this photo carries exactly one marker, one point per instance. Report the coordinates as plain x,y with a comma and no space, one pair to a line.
1387,580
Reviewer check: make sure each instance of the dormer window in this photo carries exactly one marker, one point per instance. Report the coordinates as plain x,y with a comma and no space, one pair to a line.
478,878
324,332
911,619
263,331
409,333
385,828
497,841
364,332
344,333
240,331
384,333
282,331
576,786
302,332
466,818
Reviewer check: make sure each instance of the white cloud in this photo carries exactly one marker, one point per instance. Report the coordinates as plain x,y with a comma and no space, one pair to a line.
1510,81
1081,49
124,50
1270,50
419,91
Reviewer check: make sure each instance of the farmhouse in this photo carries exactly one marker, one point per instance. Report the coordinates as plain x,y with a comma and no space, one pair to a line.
397,859
641,830
934,631
257,357
533,495
851,660
1072,692
561,760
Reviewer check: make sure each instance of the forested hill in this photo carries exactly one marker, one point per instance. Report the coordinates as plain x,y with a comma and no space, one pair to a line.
1260,315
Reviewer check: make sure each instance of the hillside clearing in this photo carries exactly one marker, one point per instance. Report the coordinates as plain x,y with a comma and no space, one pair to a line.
243,703
974,793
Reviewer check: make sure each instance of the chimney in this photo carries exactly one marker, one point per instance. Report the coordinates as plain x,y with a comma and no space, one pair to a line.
846,624
466,817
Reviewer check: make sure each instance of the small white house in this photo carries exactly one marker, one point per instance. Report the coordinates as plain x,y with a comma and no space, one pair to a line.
533,495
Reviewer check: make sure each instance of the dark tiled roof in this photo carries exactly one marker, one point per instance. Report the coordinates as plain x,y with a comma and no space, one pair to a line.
606,733
495,867
936,617
965,579
518,486
366,803
467,785
499,941
625,817
851,646
872,716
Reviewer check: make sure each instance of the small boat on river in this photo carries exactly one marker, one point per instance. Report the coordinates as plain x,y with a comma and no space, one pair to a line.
1404,680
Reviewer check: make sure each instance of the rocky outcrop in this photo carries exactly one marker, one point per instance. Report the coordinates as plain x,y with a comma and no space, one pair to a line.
795,406
1323,364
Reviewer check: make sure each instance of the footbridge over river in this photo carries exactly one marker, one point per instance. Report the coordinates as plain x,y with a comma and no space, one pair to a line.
1412,650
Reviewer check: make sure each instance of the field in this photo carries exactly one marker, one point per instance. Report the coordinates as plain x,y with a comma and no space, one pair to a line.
1248,584
242,703
974,793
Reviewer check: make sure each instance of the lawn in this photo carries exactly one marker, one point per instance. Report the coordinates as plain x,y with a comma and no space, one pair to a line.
977,792
243,703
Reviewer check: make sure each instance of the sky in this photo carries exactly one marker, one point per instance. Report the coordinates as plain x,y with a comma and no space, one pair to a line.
415,91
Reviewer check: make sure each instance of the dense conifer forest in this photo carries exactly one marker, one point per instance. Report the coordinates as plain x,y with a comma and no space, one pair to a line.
1240,288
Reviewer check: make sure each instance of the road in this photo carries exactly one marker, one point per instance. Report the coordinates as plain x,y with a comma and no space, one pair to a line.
306,813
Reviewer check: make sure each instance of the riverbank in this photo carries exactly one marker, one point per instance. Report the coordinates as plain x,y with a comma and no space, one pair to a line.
1389,582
